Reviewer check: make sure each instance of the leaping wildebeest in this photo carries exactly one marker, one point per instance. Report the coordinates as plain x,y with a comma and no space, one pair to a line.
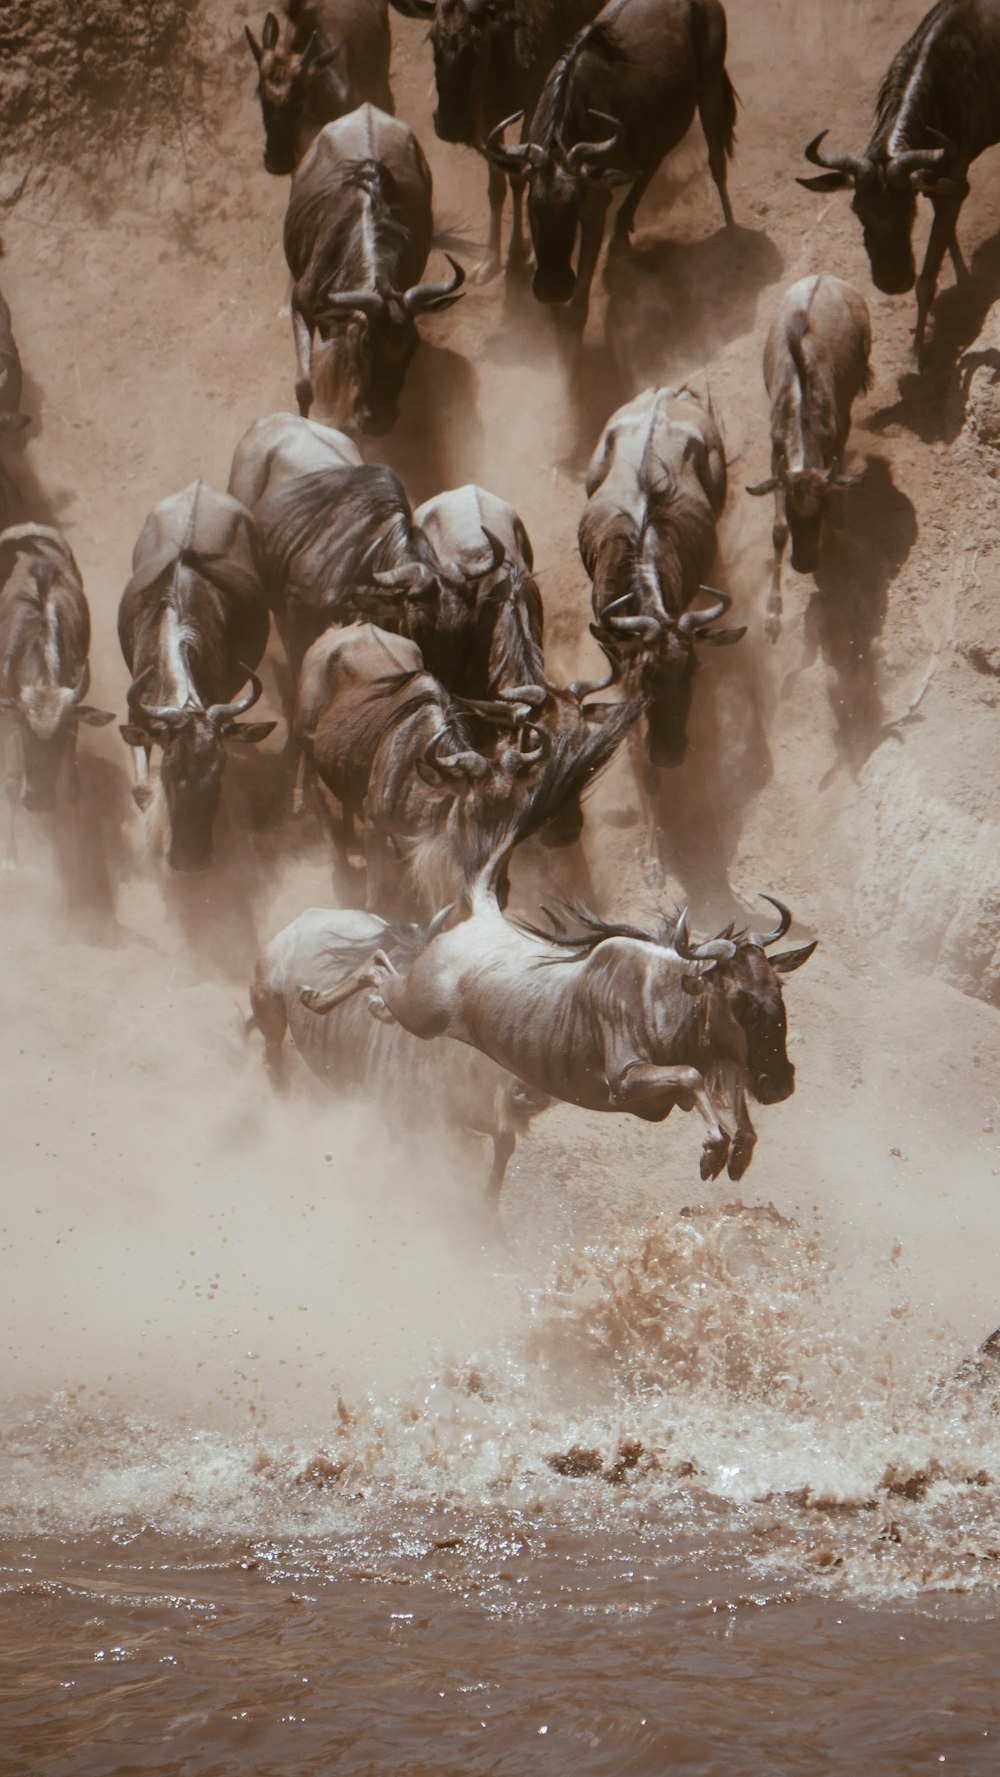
332,56
815,365
605,1016
491,58
44,669
614,105
352,1054
358,230
193,623
938,108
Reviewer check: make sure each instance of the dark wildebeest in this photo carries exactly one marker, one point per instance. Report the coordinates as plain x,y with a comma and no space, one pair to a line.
357,234
815,364
428,770
633,79
491,58
44,670
353,1054
11,419
607,1016
340,541
504,657
334,57
656,485
937,110
193,624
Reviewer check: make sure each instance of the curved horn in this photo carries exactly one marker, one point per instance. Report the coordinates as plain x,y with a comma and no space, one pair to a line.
498,554
460,764
584,151
533,696
715,950
170,715
691,621
412,579
228,712
581,688
901,167
648,629
784,921
526,154
352,302
421,297
534,744
82,685
855,166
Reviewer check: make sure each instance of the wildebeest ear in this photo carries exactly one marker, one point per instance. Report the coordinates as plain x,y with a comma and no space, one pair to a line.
95,718
133,735
826,182
793,959
269,36
248,731
723,638
765,487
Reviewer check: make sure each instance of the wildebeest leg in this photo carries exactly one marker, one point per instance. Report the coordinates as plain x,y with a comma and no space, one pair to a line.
269,1015
744,1137
497,192
302,334
625,219
714,111
943,234
373,973
779,541
517,252
595,210
641,1087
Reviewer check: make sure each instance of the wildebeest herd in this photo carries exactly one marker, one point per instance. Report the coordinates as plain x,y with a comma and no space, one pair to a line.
423,721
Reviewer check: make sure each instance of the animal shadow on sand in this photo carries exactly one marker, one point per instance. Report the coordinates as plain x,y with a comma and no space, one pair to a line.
931,405
439,436
859,559
672,305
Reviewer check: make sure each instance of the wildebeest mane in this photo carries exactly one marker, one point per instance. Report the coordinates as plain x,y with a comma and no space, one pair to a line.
341,516
591,930
402,944
459,722
514,606
962,74
562,113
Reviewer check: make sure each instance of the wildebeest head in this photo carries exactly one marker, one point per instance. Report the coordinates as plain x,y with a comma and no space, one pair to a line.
885,201
745,1009
558,182
424,600
47,716
194,755
283,80
372,336
659,650
806,494
459,33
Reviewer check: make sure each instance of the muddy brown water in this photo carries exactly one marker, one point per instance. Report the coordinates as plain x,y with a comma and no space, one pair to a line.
303,1465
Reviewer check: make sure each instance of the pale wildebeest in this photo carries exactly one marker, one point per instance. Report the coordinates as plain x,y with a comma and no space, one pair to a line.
429,771
332,56
622,96
607,1016
503,656
193,623
44,670
656,485
938,108
491,58
11,418
815,364
352,1054
358,231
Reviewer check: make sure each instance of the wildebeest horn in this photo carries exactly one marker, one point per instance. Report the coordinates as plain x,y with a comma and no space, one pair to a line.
270,36
584,151
218,713
784,921
412,579
462,764
498,554
82,685
534,743
169,715
691,621
769,486
715,950
649,629
581,688
526,154
423,297
852,166
347,302
901,167
532,696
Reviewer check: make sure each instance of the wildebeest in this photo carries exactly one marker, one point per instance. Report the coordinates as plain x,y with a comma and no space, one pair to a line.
656,485
491,58
44,669
938,108
193,624
815,364
605,1016
11,418
334,57
619,99
353,1054
427,769
357,235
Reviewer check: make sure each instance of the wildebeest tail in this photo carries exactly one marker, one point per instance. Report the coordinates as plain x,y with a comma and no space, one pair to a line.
572,765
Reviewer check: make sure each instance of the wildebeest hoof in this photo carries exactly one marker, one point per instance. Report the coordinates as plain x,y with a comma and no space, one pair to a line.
740,1157
304,397
713,1157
